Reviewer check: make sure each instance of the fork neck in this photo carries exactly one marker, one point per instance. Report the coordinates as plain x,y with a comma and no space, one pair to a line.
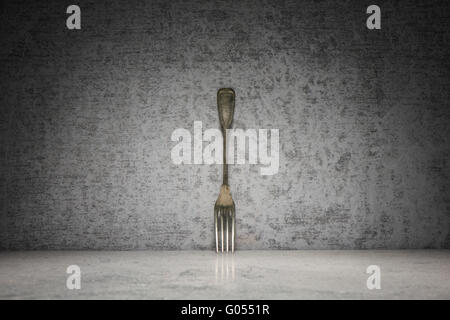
225,165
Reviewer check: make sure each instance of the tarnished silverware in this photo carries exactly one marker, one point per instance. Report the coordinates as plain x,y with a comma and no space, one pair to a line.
224,209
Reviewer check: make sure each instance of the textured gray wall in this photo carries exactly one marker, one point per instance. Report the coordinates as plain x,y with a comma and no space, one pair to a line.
86,119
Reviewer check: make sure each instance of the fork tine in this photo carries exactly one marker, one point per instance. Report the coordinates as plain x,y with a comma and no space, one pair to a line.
216,230
227,219
233,226
221,227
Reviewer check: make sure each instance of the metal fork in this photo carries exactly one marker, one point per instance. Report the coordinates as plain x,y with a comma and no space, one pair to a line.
224,209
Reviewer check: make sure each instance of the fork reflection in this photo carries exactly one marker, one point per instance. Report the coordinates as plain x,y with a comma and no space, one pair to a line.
225,267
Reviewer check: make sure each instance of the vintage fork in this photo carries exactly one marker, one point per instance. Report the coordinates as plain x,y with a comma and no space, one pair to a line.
224,209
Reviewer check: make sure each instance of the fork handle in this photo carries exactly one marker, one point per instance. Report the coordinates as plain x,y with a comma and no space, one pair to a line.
226,112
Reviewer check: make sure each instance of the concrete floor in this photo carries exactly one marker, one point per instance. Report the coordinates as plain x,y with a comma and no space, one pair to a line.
405,274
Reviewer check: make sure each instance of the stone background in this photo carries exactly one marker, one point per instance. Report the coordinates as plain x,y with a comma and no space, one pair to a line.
86,120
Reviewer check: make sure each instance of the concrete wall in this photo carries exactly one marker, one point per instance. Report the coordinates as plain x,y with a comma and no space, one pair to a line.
87,116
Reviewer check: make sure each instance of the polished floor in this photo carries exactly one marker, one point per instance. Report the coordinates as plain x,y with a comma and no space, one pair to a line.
404,274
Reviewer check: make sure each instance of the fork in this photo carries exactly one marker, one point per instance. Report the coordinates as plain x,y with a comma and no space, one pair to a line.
224,208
